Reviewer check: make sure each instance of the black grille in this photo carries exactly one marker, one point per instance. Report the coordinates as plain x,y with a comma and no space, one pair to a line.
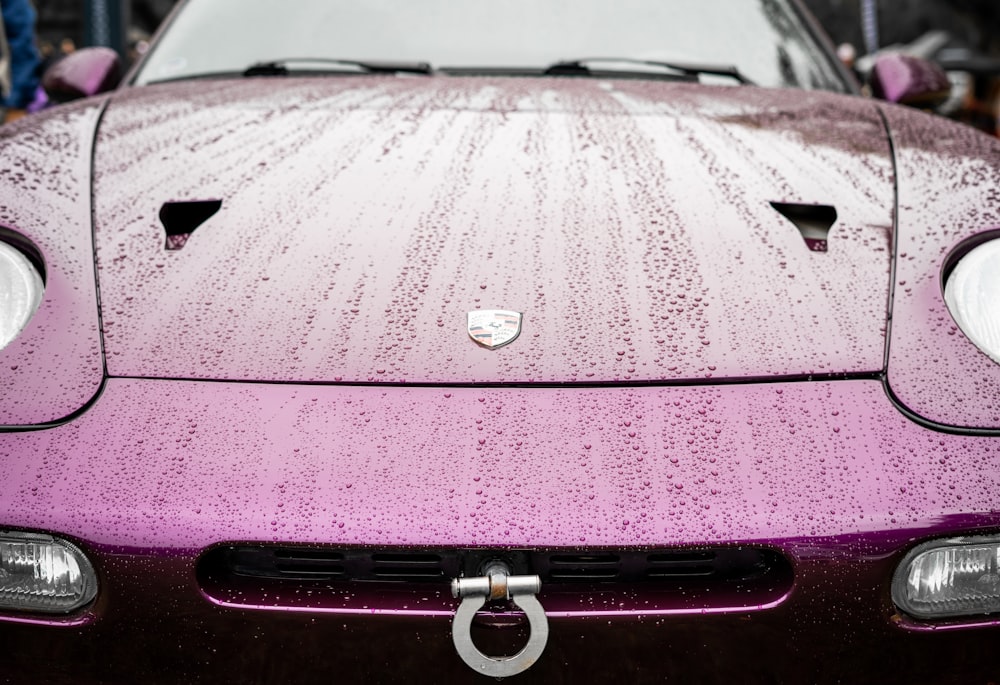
574,581
562,567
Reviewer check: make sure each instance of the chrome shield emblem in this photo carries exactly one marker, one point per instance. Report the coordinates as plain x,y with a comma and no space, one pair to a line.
494,328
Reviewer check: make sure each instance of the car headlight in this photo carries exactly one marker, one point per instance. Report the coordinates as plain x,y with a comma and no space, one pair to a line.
946,578
43,574
21,289
972,293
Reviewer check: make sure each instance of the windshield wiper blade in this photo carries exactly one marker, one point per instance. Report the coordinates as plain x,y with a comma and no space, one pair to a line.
282,68
581,67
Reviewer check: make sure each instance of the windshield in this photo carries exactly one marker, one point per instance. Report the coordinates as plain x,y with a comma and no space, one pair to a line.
765,40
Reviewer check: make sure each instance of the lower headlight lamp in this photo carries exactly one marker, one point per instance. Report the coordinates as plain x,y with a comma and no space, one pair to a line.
42,574
949,578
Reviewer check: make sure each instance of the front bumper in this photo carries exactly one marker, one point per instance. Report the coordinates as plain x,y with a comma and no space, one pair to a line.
828,474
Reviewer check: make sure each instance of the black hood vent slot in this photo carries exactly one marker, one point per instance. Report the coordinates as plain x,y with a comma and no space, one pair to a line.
813,221
180,219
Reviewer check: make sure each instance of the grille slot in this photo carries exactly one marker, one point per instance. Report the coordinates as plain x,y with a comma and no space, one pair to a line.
681,565
290,563
584,567
407,567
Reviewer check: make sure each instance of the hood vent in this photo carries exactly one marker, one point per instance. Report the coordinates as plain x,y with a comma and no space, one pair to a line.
180,219
813,221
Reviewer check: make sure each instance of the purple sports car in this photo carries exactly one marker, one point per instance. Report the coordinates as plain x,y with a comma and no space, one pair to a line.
440,341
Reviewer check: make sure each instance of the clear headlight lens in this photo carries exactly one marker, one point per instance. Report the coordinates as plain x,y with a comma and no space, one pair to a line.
21,289
973,296
43,574
958,577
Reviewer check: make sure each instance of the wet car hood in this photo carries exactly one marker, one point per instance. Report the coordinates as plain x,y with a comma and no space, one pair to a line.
362,218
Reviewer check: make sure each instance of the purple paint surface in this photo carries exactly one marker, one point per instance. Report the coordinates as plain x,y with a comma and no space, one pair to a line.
632,224
55,366
827,472
948,193
362,218
489,467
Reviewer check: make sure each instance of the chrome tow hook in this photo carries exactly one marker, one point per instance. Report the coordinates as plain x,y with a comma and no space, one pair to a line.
497,583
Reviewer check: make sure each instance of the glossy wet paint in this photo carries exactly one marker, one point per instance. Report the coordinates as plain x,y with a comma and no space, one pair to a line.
55,367
363,217
486,467
933,369
830,472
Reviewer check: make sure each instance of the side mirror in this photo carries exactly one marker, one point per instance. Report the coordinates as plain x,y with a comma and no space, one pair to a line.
909,81
86,72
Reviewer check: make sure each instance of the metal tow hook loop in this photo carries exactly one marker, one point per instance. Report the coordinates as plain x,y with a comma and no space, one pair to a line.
497,583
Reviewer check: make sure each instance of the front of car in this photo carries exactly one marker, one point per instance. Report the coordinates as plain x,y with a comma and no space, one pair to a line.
378,341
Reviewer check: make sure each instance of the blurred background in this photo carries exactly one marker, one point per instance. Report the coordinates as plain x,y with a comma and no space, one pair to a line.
963,36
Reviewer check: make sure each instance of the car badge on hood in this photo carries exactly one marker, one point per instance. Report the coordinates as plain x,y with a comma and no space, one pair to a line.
494,328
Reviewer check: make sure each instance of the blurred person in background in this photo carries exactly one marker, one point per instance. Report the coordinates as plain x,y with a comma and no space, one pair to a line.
51,53
4,69
19,31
